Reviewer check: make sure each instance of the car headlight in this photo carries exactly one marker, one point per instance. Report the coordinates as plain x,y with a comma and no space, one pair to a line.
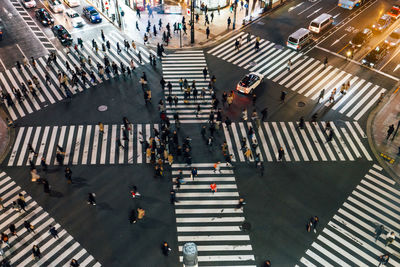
93,18
373,26
371,64
44,22
363,61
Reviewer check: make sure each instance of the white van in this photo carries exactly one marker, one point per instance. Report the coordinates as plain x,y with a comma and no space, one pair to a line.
299,38
320,23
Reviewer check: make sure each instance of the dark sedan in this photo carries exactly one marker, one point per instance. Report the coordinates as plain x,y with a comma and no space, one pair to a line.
44,17
62,34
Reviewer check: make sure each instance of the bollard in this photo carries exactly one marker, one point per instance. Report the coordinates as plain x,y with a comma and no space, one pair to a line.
189,251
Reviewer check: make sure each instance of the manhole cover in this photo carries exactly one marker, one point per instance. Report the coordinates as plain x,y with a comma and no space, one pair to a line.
278,47
260,23
102,108
301,104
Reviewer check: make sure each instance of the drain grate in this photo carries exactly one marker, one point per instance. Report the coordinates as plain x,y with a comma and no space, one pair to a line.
301,104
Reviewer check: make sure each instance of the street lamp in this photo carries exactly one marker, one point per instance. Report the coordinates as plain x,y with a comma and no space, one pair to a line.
234,14
192,21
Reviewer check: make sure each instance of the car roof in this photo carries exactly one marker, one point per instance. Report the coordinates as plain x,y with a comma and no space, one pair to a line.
397,30
71,11
89,8
385,16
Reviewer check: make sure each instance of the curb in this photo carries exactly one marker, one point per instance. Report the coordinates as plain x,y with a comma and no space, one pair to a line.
10,136
371,139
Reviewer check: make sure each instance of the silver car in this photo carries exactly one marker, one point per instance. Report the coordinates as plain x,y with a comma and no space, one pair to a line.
393,39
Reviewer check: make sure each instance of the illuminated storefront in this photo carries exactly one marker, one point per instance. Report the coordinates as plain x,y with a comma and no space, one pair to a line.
142,4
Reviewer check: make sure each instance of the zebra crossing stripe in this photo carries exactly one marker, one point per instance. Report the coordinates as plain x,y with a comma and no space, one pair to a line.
326,145
280,141
55,252
226,42
315,141
307,76
297,139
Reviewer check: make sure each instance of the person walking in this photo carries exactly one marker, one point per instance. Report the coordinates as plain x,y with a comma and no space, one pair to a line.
5,239
283,96
36,252
132,216
68,175
229,22
141,213
53,231
172,196
264,113
29,227
378,231
208,32
390,237
217,167
165,248
13,230
390,131
213,187
46,186
301,122
289,65
74,263
383,259
91,199
321,95
261,167
314,221
330,136
205,73
43,164
281,154
21,201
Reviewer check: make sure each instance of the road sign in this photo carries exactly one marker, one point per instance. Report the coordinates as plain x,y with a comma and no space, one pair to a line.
188,11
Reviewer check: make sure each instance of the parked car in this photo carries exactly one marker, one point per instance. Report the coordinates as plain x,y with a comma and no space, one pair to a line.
374,56
44,17
73,18
62,34
361,37
249,83
382,23
393,39
56,6
72,3
91,14
28,3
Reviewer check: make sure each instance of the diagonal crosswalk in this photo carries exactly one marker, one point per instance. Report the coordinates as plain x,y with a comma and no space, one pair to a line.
82,144
349,237
55,252
50,92
212,220
308,144
187,65
307,76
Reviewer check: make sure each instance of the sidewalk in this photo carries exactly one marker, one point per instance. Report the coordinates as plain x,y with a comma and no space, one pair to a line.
5,136
218,27
386,150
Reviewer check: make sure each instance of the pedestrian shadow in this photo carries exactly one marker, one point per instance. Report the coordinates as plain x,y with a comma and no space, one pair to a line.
105,206
79,182
56,194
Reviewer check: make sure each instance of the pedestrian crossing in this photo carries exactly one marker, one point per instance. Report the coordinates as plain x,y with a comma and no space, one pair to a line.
349,237
50,91
308,144
55,252
82,144
189,65
33,25
306,76
211,220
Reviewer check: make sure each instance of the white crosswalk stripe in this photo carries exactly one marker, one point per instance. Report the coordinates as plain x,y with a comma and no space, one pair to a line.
350,239
308,144
306,76
82,144
187,65
212,220
50,92
55,252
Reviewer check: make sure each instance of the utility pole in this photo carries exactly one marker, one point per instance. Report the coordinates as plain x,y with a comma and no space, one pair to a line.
234,14
118,13
192,21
